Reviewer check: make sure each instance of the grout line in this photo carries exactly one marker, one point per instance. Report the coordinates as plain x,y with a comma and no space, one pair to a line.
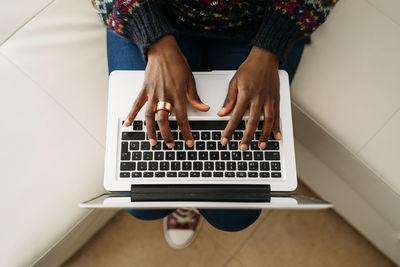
26,22
378,131
54,99
244,241
383,13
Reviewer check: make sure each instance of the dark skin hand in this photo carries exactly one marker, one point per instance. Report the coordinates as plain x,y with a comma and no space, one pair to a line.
167,78
255,85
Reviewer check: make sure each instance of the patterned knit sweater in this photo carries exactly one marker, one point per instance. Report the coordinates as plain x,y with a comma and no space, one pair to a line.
271,24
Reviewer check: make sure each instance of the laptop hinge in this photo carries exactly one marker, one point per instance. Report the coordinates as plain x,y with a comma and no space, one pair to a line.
218,193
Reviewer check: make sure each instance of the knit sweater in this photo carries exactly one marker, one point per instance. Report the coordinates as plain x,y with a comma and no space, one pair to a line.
274,25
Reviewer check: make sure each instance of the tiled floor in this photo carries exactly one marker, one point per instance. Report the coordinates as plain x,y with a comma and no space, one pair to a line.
277,238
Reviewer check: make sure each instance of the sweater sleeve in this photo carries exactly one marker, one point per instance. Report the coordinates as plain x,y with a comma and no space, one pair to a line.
142,21
287,21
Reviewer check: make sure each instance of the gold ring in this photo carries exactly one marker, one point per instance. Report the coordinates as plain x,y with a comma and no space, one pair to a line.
163,105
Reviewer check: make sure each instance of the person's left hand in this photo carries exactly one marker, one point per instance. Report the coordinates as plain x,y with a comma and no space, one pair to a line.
255,85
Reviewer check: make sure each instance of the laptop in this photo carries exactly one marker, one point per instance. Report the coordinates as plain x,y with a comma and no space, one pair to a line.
208,175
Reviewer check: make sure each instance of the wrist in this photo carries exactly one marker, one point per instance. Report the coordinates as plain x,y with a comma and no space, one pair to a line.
165,44
262,55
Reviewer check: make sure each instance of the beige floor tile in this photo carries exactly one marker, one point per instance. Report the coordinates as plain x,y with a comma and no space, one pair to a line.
126,241
308,238
233,263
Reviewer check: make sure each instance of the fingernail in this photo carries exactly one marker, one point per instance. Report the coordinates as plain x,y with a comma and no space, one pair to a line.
126,124
170,145
153,142
221,110
278,136
189,143
263,145
224,141
243,147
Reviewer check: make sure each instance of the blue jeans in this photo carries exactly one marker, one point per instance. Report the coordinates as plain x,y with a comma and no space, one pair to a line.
203,55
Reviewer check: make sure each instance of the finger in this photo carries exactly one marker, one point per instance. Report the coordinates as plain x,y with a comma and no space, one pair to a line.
163,124
137,105
194,98
275,127
150,123
235,119
251,126
267,125
183,122
230,99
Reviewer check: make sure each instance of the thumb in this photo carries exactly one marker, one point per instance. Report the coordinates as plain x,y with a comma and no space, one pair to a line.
230,98
194,98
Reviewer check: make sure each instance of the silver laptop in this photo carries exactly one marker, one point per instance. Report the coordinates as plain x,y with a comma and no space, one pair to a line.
208,175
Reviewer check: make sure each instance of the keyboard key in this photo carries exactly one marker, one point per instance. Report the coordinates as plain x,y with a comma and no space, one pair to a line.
170,155
233,145
214,155
236,155
148,174
241,174
189,148
192,155
229,174
172,124
175,135
164,146
124,174
252,174
216,135
272,156
145,145
276,175
181,155
159,155
247,155
164,165
264,174
211,145
253,166
275,166
171,174
206,174
218,174
209,166
159,136
136,174
237,135
194,174
160,174
198,165
231,166
254,145
178,145
196,135
125,155
137,125
242,166
134,145
157,146
272,146
175,165
258,135
133,135
142,166
208,125
264,166
124,147
205,136
186,166
258,155
127,166
153,166
200,145
220,166
225,155
136,155
148,155
183,174
222,147
203,155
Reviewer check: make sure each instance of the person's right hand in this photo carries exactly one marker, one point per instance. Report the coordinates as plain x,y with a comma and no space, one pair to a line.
167,78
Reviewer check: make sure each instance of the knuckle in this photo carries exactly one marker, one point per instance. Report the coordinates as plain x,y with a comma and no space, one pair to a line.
182,119
162,119
253,119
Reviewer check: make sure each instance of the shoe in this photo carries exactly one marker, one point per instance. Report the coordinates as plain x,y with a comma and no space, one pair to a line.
181,227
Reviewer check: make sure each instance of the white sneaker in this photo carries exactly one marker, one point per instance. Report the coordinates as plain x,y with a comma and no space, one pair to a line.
181,227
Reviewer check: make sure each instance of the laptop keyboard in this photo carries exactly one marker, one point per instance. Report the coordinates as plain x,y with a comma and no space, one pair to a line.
207,158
